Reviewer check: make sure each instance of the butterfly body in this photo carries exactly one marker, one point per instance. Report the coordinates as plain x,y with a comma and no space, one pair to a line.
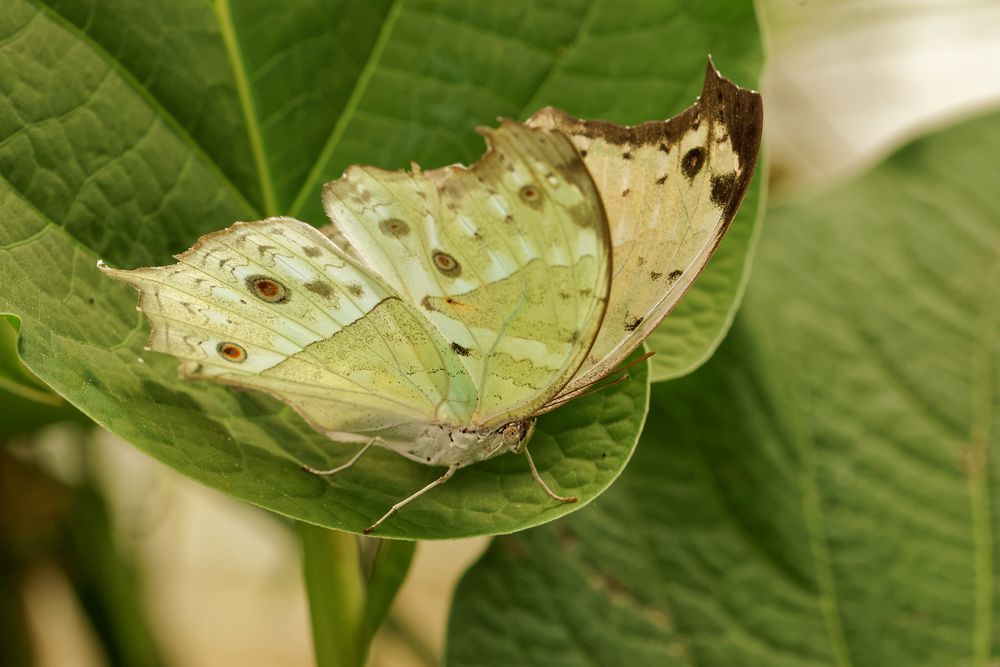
449,445
443,311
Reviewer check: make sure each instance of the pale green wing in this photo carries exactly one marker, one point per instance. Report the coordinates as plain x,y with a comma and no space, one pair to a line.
509,259
670,190
274,305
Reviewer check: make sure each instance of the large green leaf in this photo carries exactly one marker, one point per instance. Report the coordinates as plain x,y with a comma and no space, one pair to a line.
823,491
129,129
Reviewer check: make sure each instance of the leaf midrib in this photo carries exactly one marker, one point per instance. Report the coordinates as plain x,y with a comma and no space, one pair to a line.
224,17
350,108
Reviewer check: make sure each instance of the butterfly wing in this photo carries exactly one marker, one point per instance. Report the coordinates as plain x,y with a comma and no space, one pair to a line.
273,305
509,259
670,190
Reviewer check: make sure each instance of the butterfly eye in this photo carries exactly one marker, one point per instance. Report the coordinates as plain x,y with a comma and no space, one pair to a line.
232,352
446,264
267,289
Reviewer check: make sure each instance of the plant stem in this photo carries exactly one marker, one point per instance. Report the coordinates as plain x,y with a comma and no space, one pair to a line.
332,570
389,568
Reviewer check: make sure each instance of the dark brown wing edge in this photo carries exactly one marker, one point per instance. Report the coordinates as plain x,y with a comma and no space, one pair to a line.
741,110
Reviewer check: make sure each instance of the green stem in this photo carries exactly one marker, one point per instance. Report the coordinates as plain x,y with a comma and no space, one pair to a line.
332,569
389,568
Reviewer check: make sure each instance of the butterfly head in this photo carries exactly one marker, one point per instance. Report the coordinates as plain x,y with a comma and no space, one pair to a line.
515,435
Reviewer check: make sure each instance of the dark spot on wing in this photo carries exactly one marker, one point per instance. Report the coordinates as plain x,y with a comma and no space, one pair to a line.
655,275
426,303
583,153
625,192
320,288
664,148
447,264
459,349
584,214
267,289
356,289
693,161
531,196
722,188
632,323
661,180
674,275
262,249
312,251
565,296
232,352
394,227
640,260
626,155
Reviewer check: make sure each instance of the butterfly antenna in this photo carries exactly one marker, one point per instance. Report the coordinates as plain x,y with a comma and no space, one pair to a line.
403,503
613,371
341,468
553,404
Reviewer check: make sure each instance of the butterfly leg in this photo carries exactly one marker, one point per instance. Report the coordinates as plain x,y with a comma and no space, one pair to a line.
334,471
538,478
402,503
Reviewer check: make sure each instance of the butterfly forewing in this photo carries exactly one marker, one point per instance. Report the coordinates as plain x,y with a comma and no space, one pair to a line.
670,190
509,259
275,306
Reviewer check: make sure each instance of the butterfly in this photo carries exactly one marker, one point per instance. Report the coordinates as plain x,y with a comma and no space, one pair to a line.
443,311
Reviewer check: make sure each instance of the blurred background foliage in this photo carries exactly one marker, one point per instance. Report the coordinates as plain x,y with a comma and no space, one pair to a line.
791,508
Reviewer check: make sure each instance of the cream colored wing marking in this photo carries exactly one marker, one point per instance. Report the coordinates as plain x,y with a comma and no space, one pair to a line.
509,259
274,305
670,189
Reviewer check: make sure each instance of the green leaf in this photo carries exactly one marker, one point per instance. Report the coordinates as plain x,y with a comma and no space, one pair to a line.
822,492
129,129
15,378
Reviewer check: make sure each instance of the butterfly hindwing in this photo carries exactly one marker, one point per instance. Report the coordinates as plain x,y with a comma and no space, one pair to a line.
670,189
509,259
275,306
